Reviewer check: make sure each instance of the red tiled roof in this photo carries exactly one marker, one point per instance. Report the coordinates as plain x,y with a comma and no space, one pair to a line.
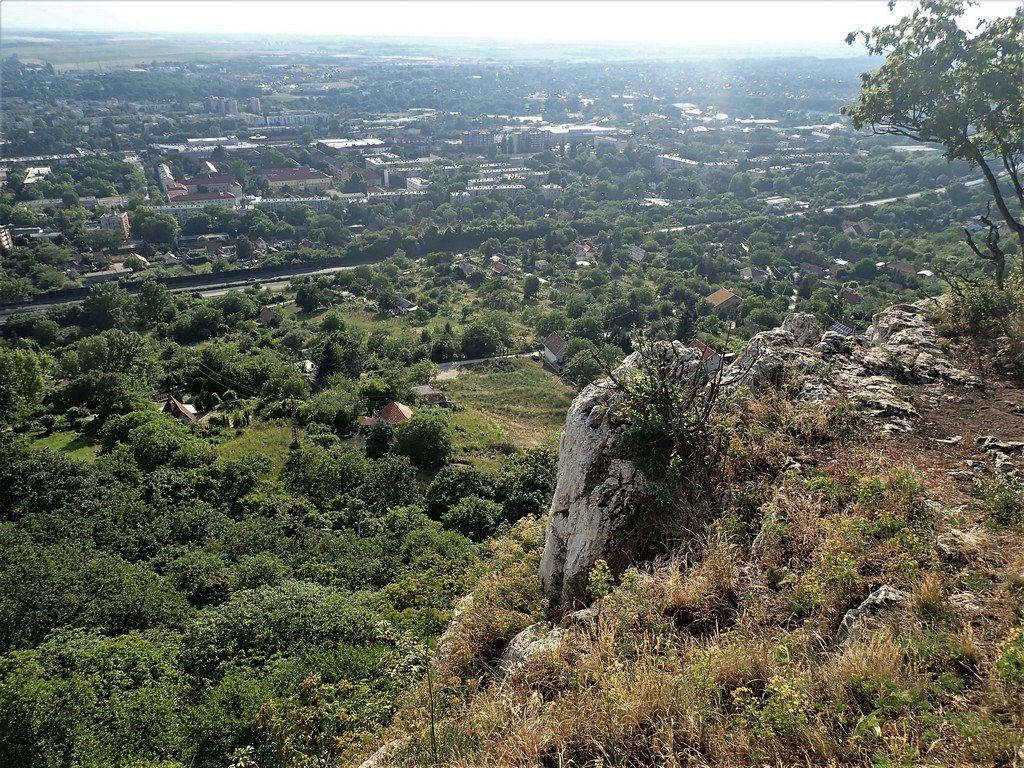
721,296
395,413
221,178
706,352
175,407
199,196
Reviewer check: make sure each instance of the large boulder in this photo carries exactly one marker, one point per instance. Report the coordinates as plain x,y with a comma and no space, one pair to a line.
805,328
596,493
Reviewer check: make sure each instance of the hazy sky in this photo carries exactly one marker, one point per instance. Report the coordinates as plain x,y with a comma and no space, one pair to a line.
700,22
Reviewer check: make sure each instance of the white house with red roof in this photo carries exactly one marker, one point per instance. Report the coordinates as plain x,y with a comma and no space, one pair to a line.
711,359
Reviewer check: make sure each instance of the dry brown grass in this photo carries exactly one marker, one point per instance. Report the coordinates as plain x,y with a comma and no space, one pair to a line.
742,661
929,597
859,673
700,593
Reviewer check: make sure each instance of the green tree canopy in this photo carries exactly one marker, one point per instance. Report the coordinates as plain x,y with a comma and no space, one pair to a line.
21,381
961,89
425,438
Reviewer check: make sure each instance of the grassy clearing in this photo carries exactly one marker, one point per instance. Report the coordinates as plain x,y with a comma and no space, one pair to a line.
269,438
506,404
75,445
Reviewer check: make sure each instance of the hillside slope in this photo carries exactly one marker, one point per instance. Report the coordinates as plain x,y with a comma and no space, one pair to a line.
827,570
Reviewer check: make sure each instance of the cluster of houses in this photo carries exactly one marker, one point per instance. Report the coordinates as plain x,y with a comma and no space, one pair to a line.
103,266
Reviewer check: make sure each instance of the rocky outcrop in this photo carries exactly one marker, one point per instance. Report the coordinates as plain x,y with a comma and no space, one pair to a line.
594,509
899,348
596,493
883,599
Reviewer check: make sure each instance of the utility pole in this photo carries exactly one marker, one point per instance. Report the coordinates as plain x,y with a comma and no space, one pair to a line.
295,427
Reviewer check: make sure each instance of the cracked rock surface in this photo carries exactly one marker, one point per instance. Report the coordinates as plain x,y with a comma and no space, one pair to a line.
598,491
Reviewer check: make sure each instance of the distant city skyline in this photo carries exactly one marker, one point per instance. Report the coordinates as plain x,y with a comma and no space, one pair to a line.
697,23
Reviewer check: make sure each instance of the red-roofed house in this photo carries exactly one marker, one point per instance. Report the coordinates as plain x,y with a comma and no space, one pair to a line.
218,183
183,412
850,296
582,248
711,359
856,229
175,190
395,413
200,197
902,267
724,301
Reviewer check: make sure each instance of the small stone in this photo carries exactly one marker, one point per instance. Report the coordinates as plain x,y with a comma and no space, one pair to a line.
956,546
1003,462
967,602
792,465
961,474
949,440
883,599
585,617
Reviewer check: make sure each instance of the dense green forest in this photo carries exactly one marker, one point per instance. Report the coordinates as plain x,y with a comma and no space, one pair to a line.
166,605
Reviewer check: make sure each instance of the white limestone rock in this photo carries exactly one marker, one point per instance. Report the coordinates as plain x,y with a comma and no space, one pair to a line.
385,757
956,546
535,639
804,327
594,511
593,507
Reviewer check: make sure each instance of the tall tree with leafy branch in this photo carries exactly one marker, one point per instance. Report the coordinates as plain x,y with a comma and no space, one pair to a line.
962,89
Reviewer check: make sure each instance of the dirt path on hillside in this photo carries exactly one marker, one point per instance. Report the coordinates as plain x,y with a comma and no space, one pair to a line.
948,412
